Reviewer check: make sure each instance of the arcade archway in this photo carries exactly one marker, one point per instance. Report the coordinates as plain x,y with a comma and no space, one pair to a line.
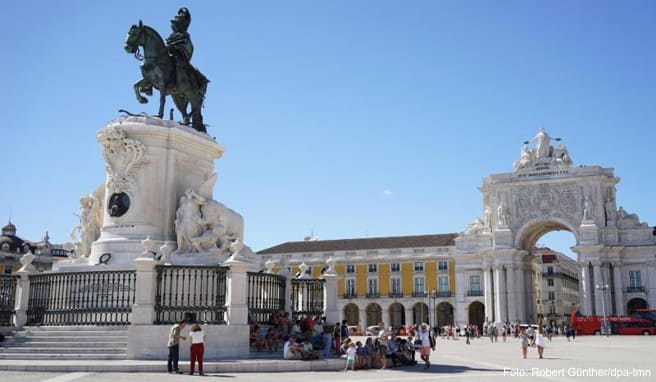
635,304
444,314
396,315
476,314
374,314
352,314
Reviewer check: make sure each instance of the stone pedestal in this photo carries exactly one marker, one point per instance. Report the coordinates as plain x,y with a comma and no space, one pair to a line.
150,163
588,233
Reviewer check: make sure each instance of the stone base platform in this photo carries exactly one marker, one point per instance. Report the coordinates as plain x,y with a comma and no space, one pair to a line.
135,366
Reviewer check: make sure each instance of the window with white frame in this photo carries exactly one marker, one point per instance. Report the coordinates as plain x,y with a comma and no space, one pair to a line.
443,283
552,295
419,285
634,279
372,286
550,270
552,309
475,283
350,268
396,267
443,265
372,268
395,283
550,282
350,287
419,266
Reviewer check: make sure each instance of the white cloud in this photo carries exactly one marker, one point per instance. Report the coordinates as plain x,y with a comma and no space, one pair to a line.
387,192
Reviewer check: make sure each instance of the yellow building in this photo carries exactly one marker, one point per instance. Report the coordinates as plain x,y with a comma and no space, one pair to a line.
396,280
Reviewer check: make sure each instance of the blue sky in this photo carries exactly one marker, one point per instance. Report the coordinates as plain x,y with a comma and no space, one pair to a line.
345,118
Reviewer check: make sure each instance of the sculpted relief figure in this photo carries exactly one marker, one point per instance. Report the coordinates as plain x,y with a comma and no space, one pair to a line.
205,225
187,220
91,218
627,220
561,155
542,147
475,227
502,216
524,159
587,209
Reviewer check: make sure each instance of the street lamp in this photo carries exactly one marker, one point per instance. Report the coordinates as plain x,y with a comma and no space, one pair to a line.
604,326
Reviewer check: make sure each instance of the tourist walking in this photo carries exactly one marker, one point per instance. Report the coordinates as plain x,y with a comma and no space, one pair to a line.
197,337
426,346
539,342
174,346
524,340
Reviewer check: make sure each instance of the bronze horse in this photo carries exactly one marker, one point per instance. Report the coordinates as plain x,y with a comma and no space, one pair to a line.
158,71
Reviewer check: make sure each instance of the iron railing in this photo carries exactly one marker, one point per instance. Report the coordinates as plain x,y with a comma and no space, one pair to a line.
193,293
351,294
307,298
81,298
266,296
474,293
395,295
443,294
373,295
7,299
635,289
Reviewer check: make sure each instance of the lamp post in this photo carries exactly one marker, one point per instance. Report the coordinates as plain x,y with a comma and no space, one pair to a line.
604,326
432,296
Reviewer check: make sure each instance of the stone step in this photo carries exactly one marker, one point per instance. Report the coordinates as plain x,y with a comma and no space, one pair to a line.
78,333
33,338
76,328
68,344
61,357
63,350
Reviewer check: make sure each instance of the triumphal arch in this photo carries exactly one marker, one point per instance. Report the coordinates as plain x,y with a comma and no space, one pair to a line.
616,252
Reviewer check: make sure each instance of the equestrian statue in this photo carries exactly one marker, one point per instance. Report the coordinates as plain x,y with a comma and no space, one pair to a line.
166,67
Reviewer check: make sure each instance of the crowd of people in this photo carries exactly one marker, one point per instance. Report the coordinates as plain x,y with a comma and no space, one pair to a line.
311,337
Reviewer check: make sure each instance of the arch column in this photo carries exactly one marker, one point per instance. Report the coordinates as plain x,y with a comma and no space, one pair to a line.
584,290
409,316
619,296
487,284
362,318
520,293
598,293
384,315
511,302
500,294
650,284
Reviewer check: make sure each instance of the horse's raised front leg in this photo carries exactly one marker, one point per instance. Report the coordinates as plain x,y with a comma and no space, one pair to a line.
162,102
142,83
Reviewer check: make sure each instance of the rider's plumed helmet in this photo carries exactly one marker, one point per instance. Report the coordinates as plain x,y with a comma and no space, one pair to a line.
182,20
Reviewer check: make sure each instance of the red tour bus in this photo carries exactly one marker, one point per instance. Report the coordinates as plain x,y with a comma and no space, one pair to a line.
628,325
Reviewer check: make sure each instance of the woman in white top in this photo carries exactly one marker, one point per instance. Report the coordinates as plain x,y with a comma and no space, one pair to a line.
197,338
539,342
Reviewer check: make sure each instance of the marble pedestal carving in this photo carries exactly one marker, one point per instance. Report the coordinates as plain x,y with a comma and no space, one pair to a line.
150,164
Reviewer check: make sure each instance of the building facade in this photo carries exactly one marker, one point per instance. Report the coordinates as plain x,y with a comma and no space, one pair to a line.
492,269
13,248
557,286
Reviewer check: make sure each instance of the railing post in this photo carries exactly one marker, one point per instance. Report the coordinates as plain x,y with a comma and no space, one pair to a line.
330,296
237,289
330,291
22,298
143,310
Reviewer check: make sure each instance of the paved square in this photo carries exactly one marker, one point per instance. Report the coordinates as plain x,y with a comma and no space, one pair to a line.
623,358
